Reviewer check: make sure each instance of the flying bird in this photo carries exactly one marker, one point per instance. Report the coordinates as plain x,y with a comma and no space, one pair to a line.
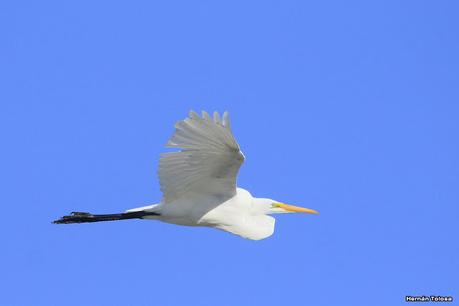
198,183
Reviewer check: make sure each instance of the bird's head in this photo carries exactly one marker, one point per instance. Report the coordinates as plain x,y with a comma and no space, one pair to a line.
269,206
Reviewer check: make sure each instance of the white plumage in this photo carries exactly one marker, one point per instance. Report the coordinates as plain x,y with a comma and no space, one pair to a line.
199,184
208,162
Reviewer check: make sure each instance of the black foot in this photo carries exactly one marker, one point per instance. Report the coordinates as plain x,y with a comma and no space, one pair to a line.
75,217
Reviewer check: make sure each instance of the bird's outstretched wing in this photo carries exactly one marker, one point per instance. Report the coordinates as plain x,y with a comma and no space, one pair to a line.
208,161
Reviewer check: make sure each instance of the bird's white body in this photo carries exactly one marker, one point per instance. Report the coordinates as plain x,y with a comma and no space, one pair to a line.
240,215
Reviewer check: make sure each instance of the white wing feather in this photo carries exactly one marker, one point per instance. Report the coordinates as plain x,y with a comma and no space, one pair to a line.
208,161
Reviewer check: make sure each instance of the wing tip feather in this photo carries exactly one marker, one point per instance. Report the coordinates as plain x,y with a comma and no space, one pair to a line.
216,117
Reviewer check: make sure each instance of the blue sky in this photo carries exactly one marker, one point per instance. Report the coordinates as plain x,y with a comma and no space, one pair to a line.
347,107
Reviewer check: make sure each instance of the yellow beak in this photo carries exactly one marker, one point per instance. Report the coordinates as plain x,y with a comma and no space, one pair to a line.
293,208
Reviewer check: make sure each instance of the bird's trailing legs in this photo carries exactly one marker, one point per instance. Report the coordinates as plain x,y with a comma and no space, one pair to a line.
83,217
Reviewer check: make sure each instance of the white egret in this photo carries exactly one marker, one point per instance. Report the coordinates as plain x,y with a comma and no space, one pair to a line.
198,183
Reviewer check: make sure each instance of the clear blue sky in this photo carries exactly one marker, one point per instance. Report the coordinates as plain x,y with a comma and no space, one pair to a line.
347,107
